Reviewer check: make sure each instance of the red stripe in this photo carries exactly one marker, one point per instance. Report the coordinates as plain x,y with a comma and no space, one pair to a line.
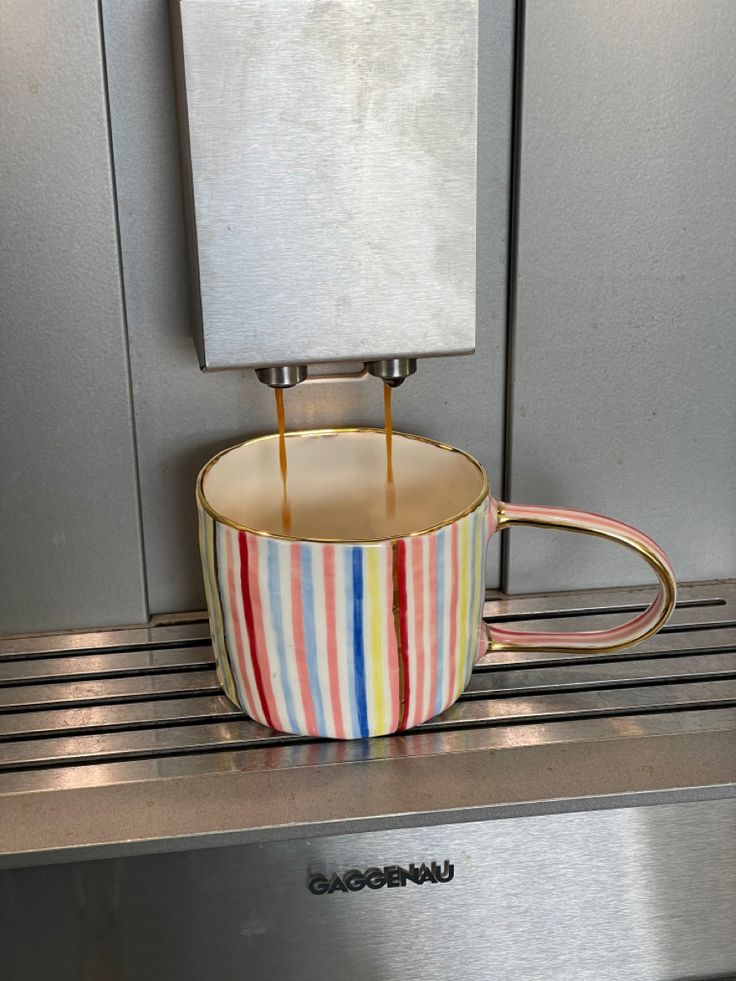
434,642
250,624
403,627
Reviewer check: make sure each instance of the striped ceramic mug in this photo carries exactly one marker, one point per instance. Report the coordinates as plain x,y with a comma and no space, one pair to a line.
359,612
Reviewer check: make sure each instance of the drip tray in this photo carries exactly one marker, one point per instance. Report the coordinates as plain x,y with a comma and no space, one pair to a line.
121,742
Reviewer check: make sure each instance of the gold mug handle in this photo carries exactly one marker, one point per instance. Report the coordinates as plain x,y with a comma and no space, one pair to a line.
640,627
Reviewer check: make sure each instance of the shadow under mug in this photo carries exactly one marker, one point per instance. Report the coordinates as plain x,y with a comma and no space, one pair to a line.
346,638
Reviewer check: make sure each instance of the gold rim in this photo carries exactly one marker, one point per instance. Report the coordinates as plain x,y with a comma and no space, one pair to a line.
206,506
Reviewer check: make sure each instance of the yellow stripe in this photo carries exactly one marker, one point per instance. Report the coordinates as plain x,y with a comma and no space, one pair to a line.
462,605
377,720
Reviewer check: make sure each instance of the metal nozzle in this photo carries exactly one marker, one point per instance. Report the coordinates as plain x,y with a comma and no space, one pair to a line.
282,376
392,370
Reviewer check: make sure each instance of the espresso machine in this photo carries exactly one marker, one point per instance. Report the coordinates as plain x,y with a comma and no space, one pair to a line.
573,814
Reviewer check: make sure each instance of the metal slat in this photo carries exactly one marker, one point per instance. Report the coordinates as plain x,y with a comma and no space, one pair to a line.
689,611
169,711
151,661
720,593
611,702
602,675
717,640
124,638
107,690
237,734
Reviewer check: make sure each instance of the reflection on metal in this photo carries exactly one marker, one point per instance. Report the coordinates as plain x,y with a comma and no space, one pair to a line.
108,715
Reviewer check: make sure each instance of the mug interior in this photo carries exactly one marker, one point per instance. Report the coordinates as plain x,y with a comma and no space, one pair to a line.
337,486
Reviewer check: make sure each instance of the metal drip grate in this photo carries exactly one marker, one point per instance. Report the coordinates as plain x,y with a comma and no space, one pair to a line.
140,705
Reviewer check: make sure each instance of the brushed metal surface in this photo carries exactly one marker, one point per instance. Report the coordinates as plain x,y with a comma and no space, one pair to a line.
625,351
109,664
106,690
183,416
331,177
641,893
71,553
599,729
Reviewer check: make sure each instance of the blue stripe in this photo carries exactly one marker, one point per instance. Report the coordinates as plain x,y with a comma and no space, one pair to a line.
274,592
351,715
441,654
310,634
358,651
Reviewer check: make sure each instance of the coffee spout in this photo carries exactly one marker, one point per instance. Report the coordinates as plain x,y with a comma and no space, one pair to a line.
392,371
282,376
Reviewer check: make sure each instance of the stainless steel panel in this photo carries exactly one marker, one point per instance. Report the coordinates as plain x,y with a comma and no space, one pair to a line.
152,725
70,522
182,416
640,893
331,177
625,352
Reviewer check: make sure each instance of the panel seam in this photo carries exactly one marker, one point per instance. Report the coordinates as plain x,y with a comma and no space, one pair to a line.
512,267
124,310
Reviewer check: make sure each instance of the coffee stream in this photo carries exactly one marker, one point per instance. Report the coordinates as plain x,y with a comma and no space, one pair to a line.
281,419
388,426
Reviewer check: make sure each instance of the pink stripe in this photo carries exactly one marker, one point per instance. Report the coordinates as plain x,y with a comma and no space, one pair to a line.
392,647
420,655
452,614
300,647
434,645
237,623
261,648
328,556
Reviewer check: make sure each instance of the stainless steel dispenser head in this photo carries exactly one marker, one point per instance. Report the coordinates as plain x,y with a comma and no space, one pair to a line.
282,376
328,155
393,370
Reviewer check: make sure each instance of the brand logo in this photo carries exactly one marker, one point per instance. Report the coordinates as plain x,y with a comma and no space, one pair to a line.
390,876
